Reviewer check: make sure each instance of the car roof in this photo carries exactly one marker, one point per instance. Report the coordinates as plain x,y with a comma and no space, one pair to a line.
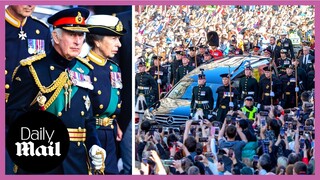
213,69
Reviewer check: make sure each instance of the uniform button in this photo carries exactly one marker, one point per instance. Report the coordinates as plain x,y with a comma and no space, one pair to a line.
95,79
84,98
111,68
37,31
82,113
97,115
59,114
111,126
51,68
5,72
114,116
118,92
7,86
119,105
99,92
101,106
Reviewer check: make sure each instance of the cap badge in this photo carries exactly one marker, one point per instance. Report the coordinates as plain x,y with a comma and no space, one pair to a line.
119,27
79,18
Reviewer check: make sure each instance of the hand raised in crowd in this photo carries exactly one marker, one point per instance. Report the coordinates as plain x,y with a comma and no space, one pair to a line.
144,169
147,137
159,166
207,123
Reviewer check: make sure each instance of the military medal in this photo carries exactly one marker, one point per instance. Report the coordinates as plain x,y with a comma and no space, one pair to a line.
202,93
116,81
22,34
87,102
80,80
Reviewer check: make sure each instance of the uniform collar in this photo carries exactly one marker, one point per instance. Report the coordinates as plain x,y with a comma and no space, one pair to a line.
65,63
97,59
13,20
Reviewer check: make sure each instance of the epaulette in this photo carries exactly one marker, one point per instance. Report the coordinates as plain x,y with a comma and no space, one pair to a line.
28,61
35,18
86,62
113,62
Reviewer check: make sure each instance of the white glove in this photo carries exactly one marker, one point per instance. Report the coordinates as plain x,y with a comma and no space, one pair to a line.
296,89
258,105
214,113
97,158
272,94
159,81
191,114
231,104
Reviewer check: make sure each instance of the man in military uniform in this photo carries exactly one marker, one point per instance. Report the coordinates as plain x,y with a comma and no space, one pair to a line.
161,75
286,43
175,64
200,56
192,56
104,40
146,89
213,41
59,83
302,75
248,85
202,99
282,61
25,36
265,93
207,58
289,88
223,104
184,69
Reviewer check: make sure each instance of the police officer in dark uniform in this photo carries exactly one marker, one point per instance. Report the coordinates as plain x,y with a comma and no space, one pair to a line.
184,69
202,98
146,89
192,56
265,93
104,40
162,73
25,36
223,104
286,43
59,83
289,88
248,85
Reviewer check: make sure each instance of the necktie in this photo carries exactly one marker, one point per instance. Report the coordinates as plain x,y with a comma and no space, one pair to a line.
304,59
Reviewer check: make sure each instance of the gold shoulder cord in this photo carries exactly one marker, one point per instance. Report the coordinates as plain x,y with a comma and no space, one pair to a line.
56,86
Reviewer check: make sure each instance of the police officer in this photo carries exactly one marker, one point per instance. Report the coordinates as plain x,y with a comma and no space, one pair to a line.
146,89
286,43
249,109
162,73
202,98
248,85
265,93
184,69
289,88
59,83
105,32
25,36
223,104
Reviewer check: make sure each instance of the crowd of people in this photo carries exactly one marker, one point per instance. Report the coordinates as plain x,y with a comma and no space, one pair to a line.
264,126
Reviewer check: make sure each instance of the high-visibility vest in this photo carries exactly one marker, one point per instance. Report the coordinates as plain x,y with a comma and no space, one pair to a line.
250,114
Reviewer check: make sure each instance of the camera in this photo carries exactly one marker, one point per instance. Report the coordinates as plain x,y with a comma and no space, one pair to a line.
282,132
208,154
265,146
203,139
263,122
294,125
198,158
195,122
302,141
301,129
267,108
287,111
168,162
308,128
264,113
228,119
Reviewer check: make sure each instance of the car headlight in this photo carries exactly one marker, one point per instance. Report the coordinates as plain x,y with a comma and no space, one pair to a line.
148,115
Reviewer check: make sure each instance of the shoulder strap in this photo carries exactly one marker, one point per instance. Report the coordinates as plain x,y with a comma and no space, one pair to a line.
86,62
28,61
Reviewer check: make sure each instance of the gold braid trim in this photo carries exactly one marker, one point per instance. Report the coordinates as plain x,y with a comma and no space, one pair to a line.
56,86
86,62
31,59
14,72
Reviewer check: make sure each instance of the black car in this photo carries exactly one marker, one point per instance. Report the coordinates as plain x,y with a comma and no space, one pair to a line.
174,109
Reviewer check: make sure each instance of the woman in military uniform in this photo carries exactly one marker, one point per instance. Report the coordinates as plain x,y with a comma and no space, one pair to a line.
105,32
